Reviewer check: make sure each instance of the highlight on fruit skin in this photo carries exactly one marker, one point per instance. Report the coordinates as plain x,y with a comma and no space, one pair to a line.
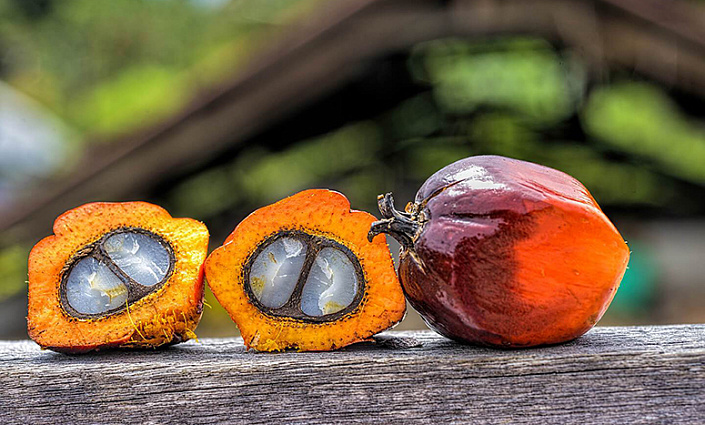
124,275
300,274
502,252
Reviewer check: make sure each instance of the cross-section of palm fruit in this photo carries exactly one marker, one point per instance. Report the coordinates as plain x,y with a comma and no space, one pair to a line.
116,275
300,274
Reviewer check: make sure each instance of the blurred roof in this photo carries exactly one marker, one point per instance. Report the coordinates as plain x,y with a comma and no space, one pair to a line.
663,40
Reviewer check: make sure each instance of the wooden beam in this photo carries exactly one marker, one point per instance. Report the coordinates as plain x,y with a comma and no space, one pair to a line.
312,61
664,40
611,375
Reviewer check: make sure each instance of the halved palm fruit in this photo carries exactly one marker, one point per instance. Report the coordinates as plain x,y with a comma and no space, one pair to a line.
301,274
116,275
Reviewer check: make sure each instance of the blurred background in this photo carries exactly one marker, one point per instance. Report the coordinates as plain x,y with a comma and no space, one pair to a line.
214,108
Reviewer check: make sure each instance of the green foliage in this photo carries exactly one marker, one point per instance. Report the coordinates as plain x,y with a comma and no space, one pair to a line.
13,270
415,117
640,119
304,165
610,182
113,107
424,157
503,97
524,75
362,187
205,195
108,67
259,177
491,105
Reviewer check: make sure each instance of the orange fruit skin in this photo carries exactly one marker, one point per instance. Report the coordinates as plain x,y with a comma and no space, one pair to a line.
511,254
168,315
317,212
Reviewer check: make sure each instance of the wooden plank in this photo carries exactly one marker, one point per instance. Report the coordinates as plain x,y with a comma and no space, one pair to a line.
611,375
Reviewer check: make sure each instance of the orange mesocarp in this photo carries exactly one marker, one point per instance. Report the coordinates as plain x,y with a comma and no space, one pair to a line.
300,274
116,275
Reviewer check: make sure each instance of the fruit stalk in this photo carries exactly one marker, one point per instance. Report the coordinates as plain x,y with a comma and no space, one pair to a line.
400,225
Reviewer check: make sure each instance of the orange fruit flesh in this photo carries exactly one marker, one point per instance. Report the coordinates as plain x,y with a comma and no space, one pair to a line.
169,314
320,213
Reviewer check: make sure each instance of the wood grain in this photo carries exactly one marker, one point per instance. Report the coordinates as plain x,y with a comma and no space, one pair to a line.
610,375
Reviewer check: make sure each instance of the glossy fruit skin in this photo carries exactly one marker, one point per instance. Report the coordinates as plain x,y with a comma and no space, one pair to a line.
508,253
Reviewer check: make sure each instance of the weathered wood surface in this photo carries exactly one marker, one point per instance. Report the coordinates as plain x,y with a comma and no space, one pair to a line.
611,375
